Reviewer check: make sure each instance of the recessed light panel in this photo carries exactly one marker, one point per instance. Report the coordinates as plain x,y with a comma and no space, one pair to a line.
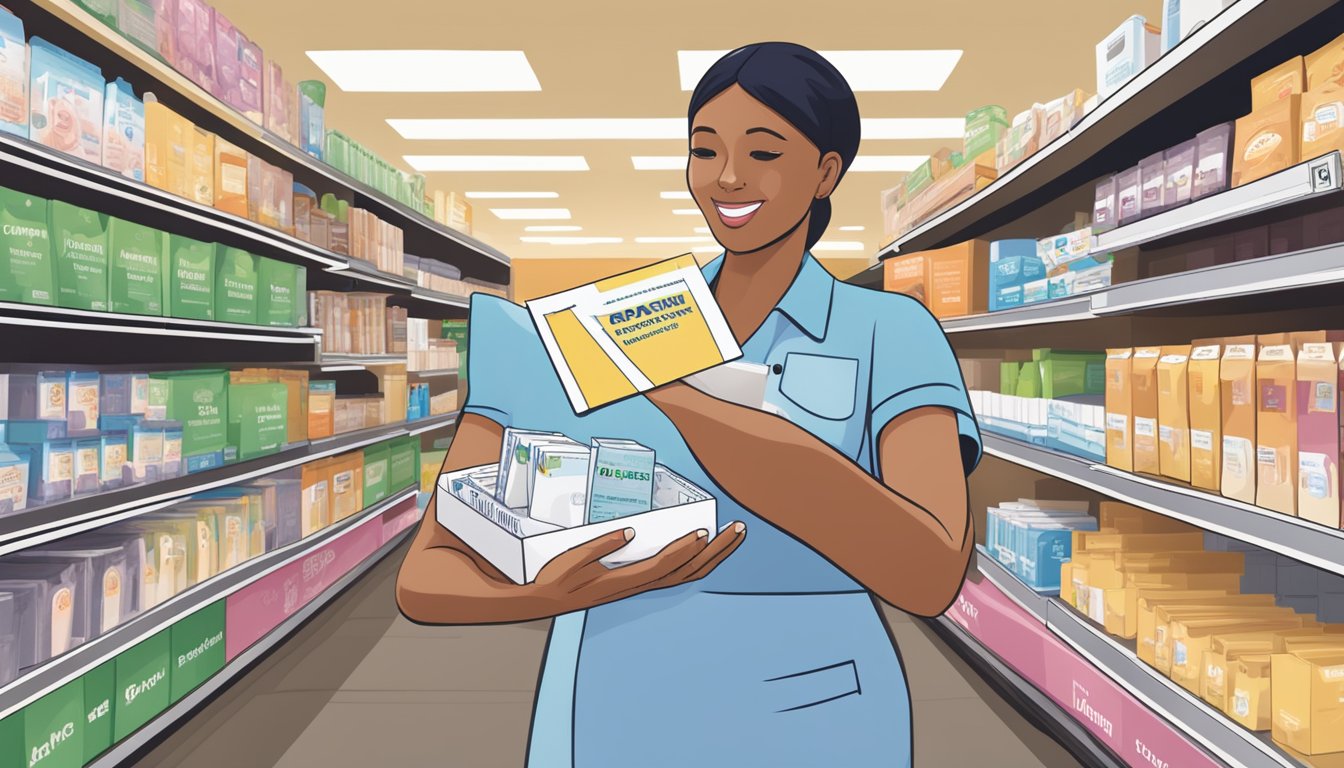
531,214
427,71
489,163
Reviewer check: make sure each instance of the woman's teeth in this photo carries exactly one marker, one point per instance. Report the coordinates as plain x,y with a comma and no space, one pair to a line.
736,212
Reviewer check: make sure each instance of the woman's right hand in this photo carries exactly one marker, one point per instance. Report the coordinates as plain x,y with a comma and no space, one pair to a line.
577,579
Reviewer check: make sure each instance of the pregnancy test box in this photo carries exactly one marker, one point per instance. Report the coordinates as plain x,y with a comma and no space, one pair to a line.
679,507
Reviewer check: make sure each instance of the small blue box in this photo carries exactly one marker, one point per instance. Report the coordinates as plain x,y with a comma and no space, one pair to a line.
35,431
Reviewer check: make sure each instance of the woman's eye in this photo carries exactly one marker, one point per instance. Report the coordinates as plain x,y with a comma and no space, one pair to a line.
703,153
765,156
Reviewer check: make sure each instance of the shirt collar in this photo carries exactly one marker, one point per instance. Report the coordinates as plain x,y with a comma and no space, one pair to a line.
807,302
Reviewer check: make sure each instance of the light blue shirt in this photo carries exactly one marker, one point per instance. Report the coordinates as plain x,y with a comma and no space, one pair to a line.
844,362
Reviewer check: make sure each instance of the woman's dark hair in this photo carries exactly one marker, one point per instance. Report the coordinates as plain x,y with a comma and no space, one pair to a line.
803,88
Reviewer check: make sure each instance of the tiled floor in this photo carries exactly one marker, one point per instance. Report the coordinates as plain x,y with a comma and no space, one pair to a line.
360,686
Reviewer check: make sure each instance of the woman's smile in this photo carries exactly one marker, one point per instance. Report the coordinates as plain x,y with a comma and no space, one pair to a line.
737,214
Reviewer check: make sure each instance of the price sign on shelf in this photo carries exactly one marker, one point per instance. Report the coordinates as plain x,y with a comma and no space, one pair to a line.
1325,174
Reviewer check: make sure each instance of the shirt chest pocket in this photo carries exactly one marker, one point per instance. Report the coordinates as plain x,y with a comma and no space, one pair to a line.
822,385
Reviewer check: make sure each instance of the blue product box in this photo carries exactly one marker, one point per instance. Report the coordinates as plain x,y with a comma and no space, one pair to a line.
1036,292
14,481
173,466
51,396
119,422
1005,298
116,397
82,397
50,469
87,477
35,431
1012,263
113,460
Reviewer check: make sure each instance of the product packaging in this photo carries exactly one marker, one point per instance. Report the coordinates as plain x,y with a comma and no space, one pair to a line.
1287,79
114,452
27,270
558,486
13,75
235,286
230,178
136,267
227,50
1206,432
1152,185
14,481
347,485
167,148
278,298
958,279
1128,196
1276,424
191,285
51,469
985,127
1104,208
1268,140
321,404
316,501
200,401
1237,376
1173,412
136,22
1124,53
124,131
620,479
251,74
280,96
65,101
1179,169
201,166
1213,161
377,460
1318,433
1143,385
1322,122
143,671
1307,689
194,41
258,415
82,403
312,121
1012,265
79,242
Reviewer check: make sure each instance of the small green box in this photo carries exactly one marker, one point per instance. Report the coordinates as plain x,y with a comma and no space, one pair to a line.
200,400
136,267
79,243
198,649
27,272
984,127
235,286
100,688
191,282
402,468
919,178
376,460
277,294
143,685
49,733
258,418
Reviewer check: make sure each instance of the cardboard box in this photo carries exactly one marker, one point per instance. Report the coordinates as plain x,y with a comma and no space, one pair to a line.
1171,659
191,283
1173,412
1104,206
235,286
27,271
1268,140
277,296
958,279
1287,79
1250,703
1128,196
1155,612
143,681
168,148
1152,185
136,268
1322,121
908,275
230,178
1206,423
201,168
1190,641
321,406
1119,409
347,485
1238,394
1318,433
315,508
79,248
1276,424
1213,160
49,732
258,419
65,97
1143,384
200,401
1325,65
1307,693
679,508
377,465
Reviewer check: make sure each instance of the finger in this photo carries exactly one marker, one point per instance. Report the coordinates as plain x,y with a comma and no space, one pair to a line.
575,559
692,541
723,545
644,572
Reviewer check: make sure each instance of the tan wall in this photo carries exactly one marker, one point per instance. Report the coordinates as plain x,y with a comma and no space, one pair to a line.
541,277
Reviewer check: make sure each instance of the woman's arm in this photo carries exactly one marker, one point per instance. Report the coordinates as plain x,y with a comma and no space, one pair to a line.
909,540
442,581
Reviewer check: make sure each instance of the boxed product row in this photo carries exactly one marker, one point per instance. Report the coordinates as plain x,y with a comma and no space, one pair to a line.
446,278
361,323
336,488
426,353
1253,634
1033,539
53,253
1256,419
1054,399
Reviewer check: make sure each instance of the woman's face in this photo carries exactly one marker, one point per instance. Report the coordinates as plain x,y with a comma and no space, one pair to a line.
753,174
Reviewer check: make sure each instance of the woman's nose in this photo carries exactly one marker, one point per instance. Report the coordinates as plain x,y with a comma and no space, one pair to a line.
729,180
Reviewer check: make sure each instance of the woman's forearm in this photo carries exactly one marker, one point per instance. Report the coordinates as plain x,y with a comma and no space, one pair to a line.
894,546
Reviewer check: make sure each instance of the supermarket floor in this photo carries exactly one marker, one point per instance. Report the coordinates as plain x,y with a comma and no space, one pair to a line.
359,685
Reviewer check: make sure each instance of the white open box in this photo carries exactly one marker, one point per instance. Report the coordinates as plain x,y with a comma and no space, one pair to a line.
679,508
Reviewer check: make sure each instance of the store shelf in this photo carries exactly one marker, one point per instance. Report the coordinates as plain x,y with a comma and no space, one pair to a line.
1026,598
40,317
1059,311
436,373
1293,537
1303,181
1241,30
38,525
341,361
1211,729
65,668
99,34
432,424
452,300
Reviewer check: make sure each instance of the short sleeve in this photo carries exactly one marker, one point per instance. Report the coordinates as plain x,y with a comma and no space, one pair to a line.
499,337
913,367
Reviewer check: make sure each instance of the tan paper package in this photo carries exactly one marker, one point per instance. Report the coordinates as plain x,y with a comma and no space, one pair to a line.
1119,517
1322,121
1119,409
1276,425
1189,641
1173,413
1250,704
1206,420
1267,140
1143,384
1279,83
1308,701
1237,392
1154,612
1234,619
1220,661
1325,65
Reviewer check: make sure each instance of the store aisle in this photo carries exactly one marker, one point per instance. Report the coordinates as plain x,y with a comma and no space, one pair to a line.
360,685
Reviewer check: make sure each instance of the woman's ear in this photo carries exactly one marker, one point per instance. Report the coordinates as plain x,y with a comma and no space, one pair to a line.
830,166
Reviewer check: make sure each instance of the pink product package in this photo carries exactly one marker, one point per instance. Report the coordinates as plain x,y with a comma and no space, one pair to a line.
194,42
227,61
165,27
251,68
279,94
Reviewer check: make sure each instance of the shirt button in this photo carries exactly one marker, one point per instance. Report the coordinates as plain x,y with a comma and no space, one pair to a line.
777,369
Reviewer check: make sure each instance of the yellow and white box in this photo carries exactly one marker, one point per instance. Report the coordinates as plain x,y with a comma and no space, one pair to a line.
633,332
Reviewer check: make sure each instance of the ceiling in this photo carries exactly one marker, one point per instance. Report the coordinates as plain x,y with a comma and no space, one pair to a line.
606,59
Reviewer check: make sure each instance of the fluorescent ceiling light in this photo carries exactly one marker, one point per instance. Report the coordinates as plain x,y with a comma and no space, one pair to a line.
708,249
851,229
657,240
427,71
660,163
563,240
552,228
486,163
913,128
513,195
838,245
702,230
531,214
676,196
865,70
887,163
541,129
686,212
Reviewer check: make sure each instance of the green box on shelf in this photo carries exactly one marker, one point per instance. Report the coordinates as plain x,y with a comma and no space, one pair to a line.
376,461
103,10
136,22
984,127
919,178
143,684
235,286
79,245
48,733
100,689
27,274
137,264
198,649
200,400
277,293
258,418
456,330
191,281
402,469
